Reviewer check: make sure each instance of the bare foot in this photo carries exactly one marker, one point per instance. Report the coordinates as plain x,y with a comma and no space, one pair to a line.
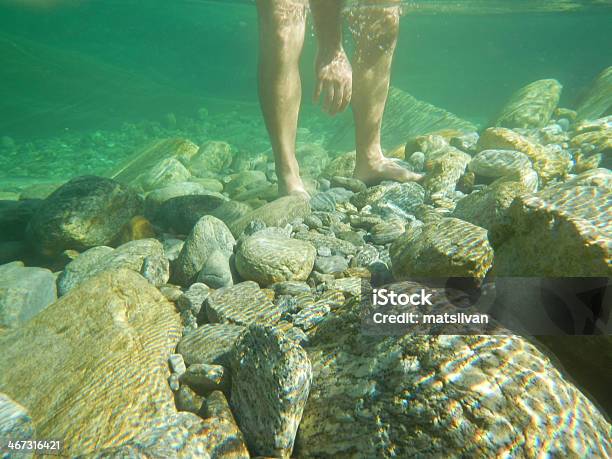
292,186
377,171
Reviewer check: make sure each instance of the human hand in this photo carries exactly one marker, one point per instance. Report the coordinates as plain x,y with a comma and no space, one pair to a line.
334,80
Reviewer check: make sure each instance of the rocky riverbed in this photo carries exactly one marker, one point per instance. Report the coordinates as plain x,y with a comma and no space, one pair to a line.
174,306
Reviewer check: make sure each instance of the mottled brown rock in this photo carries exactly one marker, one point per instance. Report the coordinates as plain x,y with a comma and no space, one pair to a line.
91,368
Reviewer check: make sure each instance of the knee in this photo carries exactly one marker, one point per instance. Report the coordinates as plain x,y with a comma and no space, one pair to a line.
282,26
375,25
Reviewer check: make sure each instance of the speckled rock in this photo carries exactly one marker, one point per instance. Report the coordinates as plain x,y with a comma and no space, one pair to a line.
182,436
85,212
323,202
331,264
391,199
208,235
101,350
598,99
499,163
15,424
531,106
431,396
131,255
187,400
386,232
341,166
270,384
205,378
216,272
443,169
241,304
24,292
560,231
162,174
592,144
267,259
448,248
212,156
353,184
276,213
547,162
210,343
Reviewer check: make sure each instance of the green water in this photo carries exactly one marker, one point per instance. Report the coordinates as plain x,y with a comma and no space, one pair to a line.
94,65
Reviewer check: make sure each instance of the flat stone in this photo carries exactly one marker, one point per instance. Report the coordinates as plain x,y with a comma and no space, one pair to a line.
268,258
101,350
241,304
210,343
24,292
270,385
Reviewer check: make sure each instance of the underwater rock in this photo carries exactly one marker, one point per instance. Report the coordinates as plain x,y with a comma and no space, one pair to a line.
231,211
181,213
560,231
147,157
181,435
312,159
547,162
242,180
137,228
212,156
216,272
531,106
323,202
499,163
276,213
270,385
443,169
597,101
210,343
131,255
15,424
594,177
337,246
162,174
205,378
353,184
428,395
208,235
85,212
267,258
14,218
241,304
592,144
38,191
448,248
330,264
393,200
386,232
341,166
488,207
156,198
209,184
264,191
101,350
24,292
193,298
187,400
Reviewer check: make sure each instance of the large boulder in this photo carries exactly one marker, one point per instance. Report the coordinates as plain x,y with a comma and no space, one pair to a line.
131,255
440,396
560,231
85,212
24,292
271,377
597,101
275,213
99,352
269,258
208,236
446,248
531,106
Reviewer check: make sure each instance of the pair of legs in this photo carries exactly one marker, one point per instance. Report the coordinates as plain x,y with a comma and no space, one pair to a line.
282,25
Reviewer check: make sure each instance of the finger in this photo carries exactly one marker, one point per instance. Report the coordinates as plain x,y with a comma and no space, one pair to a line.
346,99
329,97
317,92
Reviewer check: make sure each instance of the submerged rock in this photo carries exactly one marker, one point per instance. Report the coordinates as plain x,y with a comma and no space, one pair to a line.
212,156
531,106
24,292
210,343
131,255
341,166
15,424
101,350
597,101
560,231
208,235
447,248
268,258
157,197
14,218
162,174
216,272
426,396
270,384
592,144
180,214
85,212
391,199
443,169
499,163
